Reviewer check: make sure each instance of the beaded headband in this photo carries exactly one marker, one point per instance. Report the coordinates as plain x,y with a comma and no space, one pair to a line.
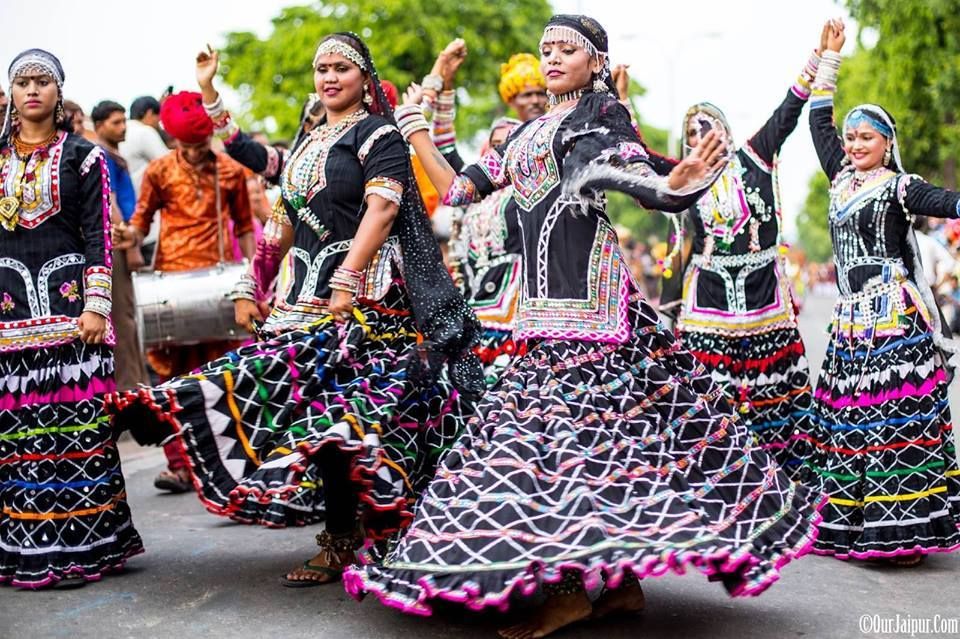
36,64
339,47
555,33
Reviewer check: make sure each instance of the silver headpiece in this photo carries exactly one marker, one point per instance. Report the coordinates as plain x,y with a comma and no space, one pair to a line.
334,45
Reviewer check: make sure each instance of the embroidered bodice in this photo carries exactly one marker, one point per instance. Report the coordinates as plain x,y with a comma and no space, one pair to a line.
55,258
574,284
325,183
735,284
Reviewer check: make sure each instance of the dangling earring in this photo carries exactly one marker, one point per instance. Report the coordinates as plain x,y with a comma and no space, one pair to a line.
367,98
599,86
886,157
60,114
14,117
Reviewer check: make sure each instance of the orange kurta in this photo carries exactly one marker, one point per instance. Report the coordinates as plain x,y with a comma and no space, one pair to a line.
186,199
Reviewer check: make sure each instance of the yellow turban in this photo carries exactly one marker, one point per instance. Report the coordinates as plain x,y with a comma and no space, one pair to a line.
522,71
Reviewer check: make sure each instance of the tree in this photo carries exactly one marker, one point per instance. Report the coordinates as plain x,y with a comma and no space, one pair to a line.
913,71
812,228
274,76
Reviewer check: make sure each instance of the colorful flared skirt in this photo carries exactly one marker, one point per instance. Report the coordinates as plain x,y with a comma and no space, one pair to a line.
884,448
597,458
253,422
767,379
64,504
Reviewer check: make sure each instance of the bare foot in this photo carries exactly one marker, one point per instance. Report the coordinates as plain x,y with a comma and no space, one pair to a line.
555,613
625,599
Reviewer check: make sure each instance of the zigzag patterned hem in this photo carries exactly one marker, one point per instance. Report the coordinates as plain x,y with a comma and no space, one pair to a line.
61,486
253,422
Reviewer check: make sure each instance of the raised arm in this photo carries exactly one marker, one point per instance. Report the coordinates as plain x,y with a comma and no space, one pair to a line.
442,101
259,158
473,183
766,142
822,128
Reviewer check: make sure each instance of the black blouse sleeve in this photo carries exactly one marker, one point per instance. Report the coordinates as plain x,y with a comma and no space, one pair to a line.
607,154
263,159
770,138
919,197
825,138
386,163
95,225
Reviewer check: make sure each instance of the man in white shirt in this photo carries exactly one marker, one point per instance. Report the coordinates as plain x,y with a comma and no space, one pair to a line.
143,143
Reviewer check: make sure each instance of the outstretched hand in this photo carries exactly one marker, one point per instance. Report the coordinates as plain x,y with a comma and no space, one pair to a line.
705,158
207,63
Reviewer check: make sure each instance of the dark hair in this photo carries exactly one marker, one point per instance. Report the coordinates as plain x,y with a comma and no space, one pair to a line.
144,105
104,110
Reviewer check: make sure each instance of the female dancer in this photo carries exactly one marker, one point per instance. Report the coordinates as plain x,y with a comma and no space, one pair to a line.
884,448
340,391
606,450
737,315
64,517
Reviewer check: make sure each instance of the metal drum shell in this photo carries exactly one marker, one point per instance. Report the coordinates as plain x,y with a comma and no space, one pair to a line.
188,307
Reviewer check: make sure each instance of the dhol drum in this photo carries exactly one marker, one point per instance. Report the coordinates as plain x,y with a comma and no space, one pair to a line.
191,307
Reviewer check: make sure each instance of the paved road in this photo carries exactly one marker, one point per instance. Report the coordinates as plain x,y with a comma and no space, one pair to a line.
206,577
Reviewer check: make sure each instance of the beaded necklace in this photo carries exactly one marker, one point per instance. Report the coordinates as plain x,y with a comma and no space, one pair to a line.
10,205
306,174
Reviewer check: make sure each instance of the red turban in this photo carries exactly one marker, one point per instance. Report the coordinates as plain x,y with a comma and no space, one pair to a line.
183,117
390,91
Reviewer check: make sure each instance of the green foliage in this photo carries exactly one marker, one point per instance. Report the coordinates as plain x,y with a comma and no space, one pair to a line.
274,75
814,238
913,71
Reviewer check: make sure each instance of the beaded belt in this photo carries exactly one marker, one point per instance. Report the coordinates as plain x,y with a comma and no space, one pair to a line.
734,261
891,269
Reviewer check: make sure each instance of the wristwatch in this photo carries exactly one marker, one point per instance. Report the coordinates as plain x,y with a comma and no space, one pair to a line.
432,82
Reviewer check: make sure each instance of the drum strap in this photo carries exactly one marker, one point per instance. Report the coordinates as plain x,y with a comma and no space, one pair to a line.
216,191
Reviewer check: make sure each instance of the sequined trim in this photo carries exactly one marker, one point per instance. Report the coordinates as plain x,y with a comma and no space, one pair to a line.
382,131
602,317
388,189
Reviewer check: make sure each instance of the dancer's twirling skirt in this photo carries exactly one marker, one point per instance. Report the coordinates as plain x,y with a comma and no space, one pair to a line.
884,446
254,421
767,378
64,507
598,458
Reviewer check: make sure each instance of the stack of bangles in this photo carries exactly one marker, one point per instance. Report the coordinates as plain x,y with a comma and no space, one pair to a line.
346,280
410,119
245,289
